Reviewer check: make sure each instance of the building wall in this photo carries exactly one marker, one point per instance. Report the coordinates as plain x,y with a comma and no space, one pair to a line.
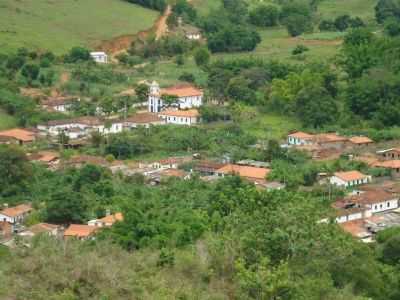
339,182
384,206
180,120
8,219
298,142
155,103
349,217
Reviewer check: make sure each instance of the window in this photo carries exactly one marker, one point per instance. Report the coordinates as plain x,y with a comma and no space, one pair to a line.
381,206
376,207
388,204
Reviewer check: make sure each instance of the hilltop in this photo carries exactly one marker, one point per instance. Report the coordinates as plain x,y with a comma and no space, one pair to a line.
60,25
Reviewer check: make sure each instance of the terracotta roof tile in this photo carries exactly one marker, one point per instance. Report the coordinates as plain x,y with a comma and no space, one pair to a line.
111,219
182,91
301,135
144,118
389,164
16,210
245,171
190,113
19,134
360,140
350,175
80,231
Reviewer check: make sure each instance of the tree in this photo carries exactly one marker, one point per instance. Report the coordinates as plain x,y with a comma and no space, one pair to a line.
391,250
65,206
342,22
77,54
264,15
327,25
299,50
297,24
30,72
238,89
202,56
142,92
316,107
170,100
15,170
392,27
386,9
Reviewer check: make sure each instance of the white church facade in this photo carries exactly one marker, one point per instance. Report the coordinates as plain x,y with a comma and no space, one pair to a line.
188,97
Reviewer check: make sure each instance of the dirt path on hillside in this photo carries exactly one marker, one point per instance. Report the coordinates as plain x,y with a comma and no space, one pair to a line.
122,43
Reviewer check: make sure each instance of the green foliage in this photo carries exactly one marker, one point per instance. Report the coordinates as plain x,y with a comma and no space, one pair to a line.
264,15
77,54
300,49
15,170
202,56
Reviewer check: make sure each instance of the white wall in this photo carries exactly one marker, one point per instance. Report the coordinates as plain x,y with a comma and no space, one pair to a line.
180,120
297,141
339,182
384,206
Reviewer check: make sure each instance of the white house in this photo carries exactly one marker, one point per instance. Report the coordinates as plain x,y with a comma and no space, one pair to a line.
188,97
59,104
107,221
81,127
181,117
299,138
15,215
364,205
99,57
349,179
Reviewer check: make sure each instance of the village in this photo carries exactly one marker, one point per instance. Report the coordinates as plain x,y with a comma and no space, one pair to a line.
369,203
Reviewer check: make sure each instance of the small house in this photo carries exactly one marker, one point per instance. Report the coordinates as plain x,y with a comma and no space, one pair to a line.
80,232
99,57
349,179
21,136
107,221
181,117
359,141
300,138
392,165
15,215
143,120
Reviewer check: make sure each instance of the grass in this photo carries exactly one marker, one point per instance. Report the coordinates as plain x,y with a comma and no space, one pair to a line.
278,45
330,9
267,126
59,25
6,121
203,7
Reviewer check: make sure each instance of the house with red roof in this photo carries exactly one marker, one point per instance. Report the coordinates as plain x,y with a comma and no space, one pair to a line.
80,232
180,117
349,179
300,138
15,215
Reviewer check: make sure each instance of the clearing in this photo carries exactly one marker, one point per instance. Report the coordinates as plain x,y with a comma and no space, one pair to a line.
6,121
59,25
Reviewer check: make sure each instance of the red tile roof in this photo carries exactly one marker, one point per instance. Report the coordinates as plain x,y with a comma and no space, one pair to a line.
190,113
389,164
182,91
144,118
19,134
359,140
16,210
350,175
111,219
301,135
245,171
79,231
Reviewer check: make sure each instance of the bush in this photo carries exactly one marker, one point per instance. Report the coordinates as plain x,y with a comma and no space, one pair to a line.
299,49
264,15
297,25
77,54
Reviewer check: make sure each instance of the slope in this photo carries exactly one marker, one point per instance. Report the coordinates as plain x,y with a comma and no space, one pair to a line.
60,25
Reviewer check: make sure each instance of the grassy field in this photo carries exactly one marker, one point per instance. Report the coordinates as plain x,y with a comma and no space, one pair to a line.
276,44
58,25
6,121
330,9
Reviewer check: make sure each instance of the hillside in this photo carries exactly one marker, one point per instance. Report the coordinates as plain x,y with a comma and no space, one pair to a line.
59,25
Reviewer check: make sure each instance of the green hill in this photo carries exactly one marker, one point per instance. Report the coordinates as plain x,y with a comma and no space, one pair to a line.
58,25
